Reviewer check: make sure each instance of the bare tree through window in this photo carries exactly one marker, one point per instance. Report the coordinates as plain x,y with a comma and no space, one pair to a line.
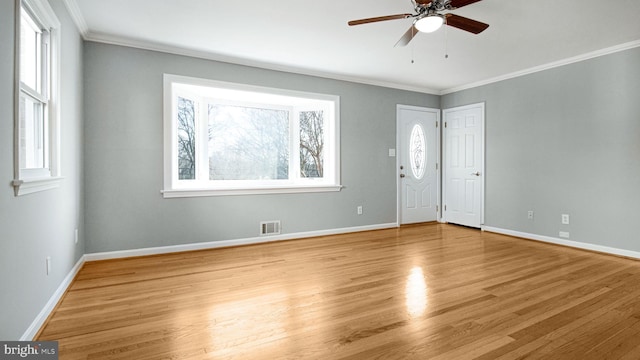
248,143
186,139
311,144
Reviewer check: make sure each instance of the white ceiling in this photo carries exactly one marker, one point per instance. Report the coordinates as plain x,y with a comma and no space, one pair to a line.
312,37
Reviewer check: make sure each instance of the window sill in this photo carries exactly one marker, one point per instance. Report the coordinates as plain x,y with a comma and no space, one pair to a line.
248,191
30,186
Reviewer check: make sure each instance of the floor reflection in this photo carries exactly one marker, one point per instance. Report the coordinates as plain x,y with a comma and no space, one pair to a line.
416,292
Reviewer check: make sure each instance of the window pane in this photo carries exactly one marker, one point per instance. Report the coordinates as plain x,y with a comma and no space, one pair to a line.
186,139
247,143
417,151
30,50
32,149
311,144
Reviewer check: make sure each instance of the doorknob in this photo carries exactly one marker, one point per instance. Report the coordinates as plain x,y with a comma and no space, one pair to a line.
477,173
402,175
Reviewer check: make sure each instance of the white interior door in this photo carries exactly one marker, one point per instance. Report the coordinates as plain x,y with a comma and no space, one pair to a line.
418,154
463,165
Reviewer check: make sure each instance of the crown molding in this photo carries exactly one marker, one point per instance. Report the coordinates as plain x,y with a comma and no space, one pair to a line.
555,64
76,16
176,50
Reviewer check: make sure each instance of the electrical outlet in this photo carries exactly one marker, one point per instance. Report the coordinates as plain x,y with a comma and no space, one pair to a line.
530,214
565,219
360,210
564,234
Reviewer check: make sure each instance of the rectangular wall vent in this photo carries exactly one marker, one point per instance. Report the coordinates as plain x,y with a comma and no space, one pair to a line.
270,227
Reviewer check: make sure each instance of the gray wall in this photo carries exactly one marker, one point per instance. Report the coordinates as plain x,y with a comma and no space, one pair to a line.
124,163
565,140
38,225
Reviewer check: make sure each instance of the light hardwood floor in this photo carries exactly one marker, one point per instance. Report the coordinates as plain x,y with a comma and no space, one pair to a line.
420,292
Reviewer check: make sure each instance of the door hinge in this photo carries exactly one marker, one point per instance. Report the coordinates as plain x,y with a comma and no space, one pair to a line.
445,124
437,208
436,166
445,208
436,124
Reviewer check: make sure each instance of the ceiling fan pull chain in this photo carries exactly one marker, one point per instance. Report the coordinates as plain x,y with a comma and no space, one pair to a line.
413,47
446,40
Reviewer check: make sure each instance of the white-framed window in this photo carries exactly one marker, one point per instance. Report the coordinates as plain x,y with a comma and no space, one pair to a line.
36,144
230,139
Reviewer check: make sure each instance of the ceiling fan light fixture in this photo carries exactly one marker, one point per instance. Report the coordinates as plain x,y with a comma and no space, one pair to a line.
429,23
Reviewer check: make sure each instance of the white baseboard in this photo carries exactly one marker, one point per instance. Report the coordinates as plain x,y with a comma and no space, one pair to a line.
226,243
563,242
35,326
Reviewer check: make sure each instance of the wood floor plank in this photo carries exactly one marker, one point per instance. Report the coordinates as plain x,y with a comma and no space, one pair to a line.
431,291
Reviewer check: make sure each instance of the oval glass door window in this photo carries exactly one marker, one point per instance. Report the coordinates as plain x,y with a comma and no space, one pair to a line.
417,151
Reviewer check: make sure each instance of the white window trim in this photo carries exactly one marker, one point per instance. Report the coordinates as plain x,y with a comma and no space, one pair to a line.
35,180
171,186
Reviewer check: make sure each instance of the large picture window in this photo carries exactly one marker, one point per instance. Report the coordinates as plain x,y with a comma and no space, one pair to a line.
223,139
36,118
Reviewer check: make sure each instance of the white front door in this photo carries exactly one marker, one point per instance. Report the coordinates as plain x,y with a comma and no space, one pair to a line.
463,198
418,146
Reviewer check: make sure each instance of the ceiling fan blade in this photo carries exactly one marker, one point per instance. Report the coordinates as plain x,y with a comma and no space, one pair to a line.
460,3
379,18
408,36
466,24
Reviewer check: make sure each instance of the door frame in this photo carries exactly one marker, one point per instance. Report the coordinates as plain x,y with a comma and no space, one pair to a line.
438,136
483,150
